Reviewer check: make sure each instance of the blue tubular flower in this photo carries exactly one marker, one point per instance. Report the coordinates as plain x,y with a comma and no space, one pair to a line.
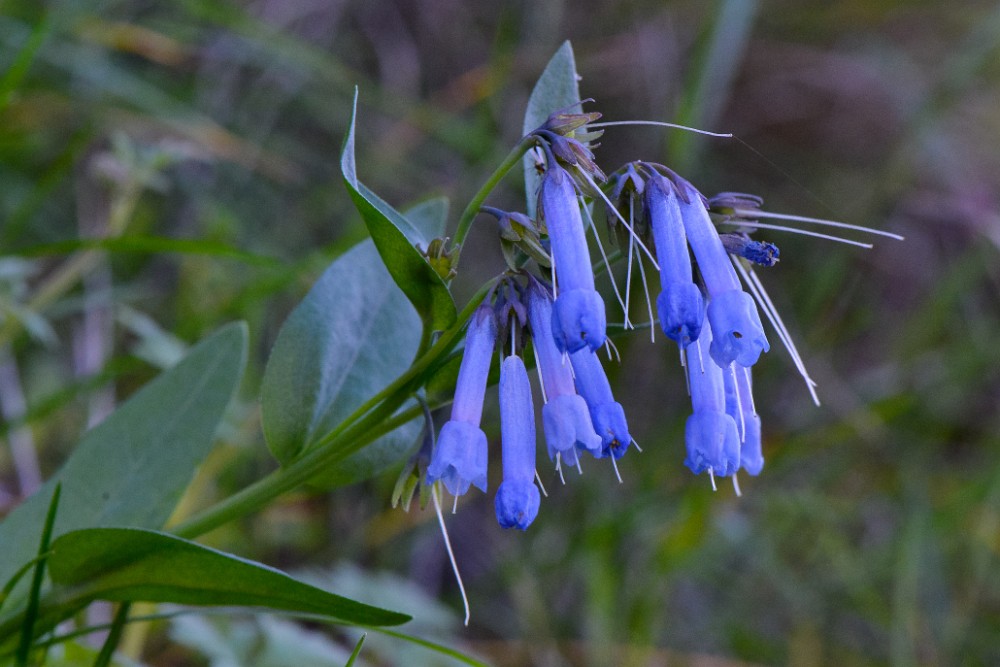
517,498
739,335
711,435
578,319
607,416
680,304
459,460
565,418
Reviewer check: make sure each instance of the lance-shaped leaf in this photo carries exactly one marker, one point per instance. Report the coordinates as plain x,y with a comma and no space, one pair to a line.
127,564
352,335
130,469
557,90
397,239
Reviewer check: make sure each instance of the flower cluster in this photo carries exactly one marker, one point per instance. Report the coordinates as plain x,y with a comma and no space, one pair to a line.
702,306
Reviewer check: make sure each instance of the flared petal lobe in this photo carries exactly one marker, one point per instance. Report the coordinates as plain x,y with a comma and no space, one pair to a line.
737,332
606,414
568,428
578,320
459,459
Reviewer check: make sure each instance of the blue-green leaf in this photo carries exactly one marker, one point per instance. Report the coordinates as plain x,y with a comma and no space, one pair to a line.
429,217
128,564
396,239
130,470
353,334
557,90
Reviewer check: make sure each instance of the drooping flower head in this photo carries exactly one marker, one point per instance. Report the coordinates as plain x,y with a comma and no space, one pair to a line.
738,333
565,418
517,499
680,303
607,415
711,436
460,457
578,317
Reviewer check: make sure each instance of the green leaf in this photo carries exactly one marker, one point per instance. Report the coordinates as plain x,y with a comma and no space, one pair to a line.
130,470
557,89
352,335
150,245
429,217
396,239
129,564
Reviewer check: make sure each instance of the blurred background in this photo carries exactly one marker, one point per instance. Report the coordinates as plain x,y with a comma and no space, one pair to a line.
209,132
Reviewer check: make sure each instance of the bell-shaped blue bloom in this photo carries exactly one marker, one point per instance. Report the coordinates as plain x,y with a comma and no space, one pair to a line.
517,498
680,304
732,312
578,319
460,457
711,435
565,418
606,414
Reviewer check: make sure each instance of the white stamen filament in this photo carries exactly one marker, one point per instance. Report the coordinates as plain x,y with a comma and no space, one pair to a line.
638,448
736,487
611,346
620,218
538,369
559,468
451,554
649,303
607,264
739,404
711,476
753,406
555,288
579,468
628,272
655,123
540,485
749,213
762,298
796,230
614,464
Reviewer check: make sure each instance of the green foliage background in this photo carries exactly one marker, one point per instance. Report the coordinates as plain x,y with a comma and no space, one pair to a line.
203,139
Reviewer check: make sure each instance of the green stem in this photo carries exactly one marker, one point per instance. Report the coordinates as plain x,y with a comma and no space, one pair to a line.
470,212
114,636
442,347
259,494
373,419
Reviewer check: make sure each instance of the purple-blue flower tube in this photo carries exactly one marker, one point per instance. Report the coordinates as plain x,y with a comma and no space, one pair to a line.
739,335
607,416
517,498
680,304
578,317
751,452
460,457
565,417
711,436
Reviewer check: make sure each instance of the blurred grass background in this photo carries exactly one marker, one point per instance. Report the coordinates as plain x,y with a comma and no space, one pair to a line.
202,139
